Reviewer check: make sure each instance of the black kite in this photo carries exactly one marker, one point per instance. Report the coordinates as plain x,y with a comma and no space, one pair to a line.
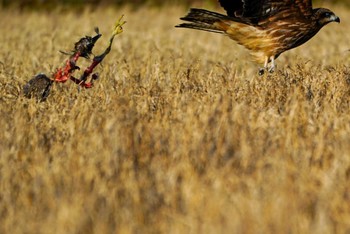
265,27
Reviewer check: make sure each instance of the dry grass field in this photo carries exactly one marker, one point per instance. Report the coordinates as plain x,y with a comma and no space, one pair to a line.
179,135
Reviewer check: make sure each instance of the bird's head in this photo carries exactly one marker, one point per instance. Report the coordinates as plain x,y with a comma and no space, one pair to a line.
324,16
85,45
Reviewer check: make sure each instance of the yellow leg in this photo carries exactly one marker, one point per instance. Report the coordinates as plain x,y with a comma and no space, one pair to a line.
262,70
272,67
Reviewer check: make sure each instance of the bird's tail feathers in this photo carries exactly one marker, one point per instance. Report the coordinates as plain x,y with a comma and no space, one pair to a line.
201,19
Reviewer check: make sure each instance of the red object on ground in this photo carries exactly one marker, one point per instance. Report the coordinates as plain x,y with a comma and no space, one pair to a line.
65,73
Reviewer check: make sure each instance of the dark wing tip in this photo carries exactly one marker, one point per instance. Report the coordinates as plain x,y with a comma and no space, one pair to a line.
232,6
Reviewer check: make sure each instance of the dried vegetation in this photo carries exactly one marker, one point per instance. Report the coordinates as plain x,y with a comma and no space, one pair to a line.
179,135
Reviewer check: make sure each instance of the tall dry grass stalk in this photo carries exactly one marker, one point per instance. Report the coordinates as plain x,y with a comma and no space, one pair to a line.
179,135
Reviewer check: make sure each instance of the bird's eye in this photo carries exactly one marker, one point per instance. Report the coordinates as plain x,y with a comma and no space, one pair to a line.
326,15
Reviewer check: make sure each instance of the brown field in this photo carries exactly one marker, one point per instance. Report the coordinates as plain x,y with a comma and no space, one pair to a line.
179,135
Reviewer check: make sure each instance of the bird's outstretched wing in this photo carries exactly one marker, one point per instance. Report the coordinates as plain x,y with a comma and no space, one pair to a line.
256,10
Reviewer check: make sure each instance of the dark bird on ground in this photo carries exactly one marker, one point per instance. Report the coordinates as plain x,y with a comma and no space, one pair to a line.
265,27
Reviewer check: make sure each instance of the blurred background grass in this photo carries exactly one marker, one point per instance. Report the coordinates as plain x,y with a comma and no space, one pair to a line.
51,4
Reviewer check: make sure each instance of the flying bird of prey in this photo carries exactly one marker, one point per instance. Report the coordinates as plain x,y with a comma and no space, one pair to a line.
266,28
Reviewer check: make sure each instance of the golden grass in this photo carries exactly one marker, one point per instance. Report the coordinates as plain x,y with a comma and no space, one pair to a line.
179,135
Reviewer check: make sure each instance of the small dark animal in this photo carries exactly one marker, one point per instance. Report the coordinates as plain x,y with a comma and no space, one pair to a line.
38,87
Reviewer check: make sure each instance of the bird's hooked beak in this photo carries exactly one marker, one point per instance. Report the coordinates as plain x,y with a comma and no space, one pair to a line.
335,18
